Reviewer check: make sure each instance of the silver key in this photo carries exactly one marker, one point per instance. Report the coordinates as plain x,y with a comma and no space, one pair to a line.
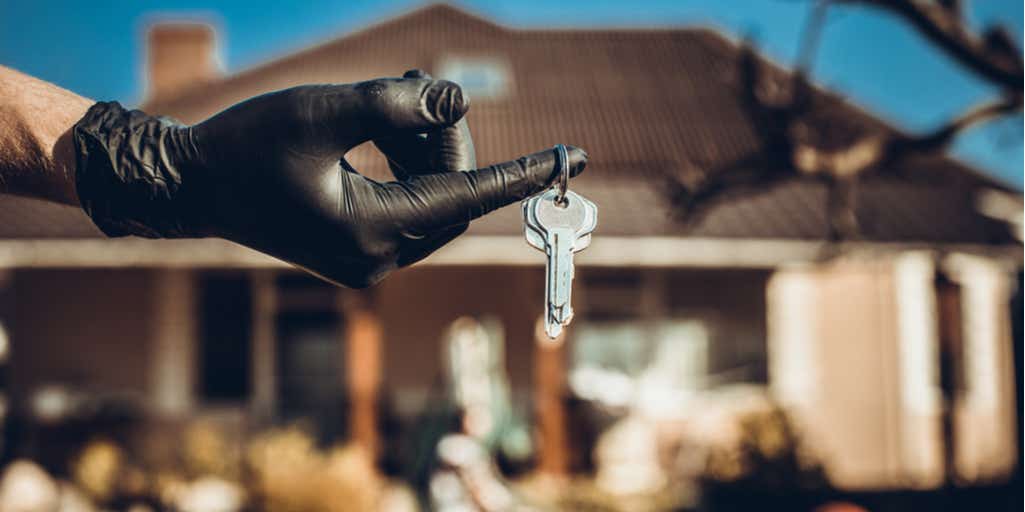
560,229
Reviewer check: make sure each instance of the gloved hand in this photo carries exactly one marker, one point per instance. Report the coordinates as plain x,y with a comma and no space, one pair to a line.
268,173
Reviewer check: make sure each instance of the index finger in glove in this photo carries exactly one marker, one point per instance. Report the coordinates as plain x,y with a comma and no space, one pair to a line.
427,203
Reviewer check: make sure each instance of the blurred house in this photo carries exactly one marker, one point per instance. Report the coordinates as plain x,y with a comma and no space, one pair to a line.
851,337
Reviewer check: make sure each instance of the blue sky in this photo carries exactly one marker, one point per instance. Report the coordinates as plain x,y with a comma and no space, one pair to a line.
94,48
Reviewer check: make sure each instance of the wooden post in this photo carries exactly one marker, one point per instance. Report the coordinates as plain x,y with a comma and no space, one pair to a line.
549,379
363,342
948,299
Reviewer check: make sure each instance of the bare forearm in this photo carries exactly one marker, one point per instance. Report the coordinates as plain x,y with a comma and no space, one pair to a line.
37,157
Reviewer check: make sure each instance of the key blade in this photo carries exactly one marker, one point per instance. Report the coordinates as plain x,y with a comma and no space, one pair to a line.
560,274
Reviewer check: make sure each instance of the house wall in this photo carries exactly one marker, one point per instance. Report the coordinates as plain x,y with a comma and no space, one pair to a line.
135,329
854,355
117,330
417,305
732,303
833,352
85,328
103,330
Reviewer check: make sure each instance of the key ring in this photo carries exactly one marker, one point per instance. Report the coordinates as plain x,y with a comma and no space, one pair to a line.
562,158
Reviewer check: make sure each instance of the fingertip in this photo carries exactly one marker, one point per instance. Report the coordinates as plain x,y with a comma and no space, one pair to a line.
446,101
577,160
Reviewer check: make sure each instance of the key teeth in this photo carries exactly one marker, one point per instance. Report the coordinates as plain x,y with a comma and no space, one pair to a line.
553,330
554,327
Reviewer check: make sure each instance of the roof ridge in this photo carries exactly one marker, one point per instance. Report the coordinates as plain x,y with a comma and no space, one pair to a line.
394,19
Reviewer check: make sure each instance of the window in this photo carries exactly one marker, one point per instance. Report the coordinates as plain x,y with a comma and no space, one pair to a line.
310,370
653,364
649,338
480,77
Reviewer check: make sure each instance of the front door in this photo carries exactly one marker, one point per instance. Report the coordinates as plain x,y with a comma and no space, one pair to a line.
310,378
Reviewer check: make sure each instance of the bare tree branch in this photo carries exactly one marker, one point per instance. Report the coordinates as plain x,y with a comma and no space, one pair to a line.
992,56
940,138
846,163
812,36
880,153
841,207
954,7
782,110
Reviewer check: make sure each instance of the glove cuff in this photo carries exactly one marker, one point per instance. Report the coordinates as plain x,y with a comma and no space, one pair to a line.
127,176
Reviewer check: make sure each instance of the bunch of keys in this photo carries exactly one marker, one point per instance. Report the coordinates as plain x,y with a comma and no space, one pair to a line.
559,222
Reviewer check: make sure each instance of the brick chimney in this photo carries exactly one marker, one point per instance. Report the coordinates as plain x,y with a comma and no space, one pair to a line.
179,56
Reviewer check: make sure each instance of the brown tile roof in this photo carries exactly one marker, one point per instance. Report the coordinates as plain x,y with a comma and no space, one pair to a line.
603,90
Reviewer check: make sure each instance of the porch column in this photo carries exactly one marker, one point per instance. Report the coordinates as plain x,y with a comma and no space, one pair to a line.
173,354
983,427
549,378
363,342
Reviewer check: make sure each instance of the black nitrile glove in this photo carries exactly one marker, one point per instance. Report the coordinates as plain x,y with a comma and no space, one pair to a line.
268,173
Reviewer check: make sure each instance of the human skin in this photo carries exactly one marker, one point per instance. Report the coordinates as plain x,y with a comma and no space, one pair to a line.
37,157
